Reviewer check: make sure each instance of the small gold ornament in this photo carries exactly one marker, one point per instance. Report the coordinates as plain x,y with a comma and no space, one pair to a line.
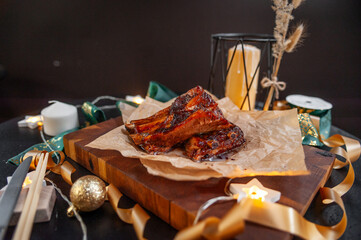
87,194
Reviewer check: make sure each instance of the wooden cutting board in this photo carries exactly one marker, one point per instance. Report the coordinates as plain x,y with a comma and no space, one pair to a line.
176,202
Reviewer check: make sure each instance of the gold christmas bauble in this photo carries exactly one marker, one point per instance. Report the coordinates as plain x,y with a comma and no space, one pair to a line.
88,193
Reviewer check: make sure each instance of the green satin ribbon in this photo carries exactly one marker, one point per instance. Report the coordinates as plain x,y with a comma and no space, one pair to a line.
325,122
315,128
92,113
56,143
160,92
309,132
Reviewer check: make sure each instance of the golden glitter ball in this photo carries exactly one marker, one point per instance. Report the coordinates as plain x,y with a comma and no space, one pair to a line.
88,193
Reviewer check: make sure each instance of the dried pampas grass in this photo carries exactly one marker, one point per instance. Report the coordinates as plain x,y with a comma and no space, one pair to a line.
283,9
295,39
296,3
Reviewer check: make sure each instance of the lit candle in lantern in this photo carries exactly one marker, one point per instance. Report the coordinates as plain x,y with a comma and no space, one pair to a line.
236,84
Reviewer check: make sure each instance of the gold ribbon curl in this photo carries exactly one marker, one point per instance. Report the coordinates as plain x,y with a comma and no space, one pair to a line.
63,168
281,217
351,154
135,215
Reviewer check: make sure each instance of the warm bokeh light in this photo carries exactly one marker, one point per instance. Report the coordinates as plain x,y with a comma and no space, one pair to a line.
138,100
135,99
34,119
255,192
31,122
27,181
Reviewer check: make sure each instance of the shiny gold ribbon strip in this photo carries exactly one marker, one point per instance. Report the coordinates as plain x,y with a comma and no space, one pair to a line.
214,228
272,215
287,219
135,215
281,217
351,154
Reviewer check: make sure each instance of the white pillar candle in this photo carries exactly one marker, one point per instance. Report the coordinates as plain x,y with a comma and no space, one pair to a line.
59,117
236,84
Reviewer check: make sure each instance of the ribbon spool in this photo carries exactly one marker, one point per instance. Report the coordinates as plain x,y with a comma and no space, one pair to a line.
308,103
314,117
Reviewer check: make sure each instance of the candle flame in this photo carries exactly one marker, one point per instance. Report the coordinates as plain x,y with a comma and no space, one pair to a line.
27,181
255,192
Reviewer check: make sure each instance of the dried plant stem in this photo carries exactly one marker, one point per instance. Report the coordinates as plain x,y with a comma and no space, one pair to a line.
276,67
294,39
283,11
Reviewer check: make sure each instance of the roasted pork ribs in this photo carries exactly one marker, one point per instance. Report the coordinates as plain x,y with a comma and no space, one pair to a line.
191,116
214,144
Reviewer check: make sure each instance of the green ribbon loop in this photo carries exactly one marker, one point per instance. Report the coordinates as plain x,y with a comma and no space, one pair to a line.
92,113
56,144
325,122
160,92
310,133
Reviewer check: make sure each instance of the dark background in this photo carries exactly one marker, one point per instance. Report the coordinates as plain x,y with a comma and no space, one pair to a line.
68,50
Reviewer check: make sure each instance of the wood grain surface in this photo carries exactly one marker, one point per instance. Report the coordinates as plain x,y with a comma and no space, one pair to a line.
176,202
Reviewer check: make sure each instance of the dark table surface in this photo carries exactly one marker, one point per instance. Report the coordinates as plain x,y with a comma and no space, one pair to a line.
103,223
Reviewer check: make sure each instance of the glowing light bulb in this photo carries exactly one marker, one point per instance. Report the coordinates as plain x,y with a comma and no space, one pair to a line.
31,122
34,119
135,99
255,192
27,181
138,100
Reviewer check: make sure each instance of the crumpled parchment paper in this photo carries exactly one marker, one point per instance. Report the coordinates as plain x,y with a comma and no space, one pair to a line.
273,146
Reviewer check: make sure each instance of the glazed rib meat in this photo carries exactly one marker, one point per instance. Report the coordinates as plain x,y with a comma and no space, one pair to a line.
213,144
191,116
192,113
